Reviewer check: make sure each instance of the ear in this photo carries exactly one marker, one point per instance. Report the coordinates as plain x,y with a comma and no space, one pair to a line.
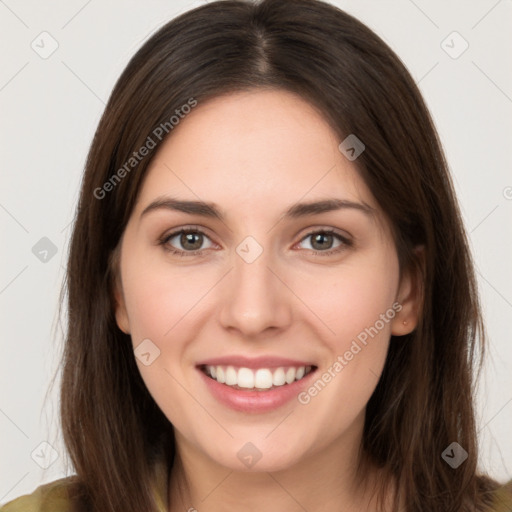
410,296
117,291
120,310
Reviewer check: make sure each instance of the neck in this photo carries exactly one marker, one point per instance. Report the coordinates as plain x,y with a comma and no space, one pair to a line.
325,481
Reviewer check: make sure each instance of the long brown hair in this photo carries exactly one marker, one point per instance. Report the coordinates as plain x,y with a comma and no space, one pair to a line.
112,427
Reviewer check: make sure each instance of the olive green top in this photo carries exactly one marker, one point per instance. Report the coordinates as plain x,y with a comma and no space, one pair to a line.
57,496
53,496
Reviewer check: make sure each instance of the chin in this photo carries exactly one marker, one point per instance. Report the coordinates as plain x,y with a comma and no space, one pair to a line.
259,455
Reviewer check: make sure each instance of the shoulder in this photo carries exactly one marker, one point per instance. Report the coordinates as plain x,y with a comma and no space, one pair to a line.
502,498
56,496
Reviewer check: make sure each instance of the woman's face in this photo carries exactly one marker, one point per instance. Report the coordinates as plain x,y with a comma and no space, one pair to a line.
257,293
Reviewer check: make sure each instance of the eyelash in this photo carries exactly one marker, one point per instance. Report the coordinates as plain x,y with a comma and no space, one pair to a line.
164,240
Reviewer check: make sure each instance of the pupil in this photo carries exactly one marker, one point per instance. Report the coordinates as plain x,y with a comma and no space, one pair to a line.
321,236
188,238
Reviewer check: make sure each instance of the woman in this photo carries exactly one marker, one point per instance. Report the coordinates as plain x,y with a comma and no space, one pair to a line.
249,371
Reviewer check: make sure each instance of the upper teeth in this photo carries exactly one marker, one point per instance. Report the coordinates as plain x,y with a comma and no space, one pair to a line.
262,378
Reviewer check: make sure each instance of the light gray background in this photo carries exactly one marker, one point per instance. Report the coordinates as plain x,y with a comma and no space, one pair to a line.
50,109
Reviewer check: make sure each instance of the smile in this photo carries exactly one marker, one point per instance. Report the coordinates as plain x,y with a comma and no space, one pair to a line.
260,379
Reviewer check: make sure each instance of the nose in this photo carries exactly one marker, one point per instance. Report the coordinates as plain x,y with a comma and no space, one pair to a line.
257,299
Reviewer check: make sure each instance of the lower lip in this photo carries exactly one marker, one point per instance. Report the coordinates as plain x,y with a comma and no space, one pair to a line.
252,400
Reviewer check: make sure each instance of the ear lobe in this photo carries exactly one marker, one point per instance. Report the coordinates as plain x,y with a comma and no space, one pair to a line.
410,297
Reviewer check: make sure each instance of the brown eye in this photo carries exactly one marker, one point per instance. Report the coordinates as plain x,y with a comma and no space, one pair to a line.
191,241
322,242
185,242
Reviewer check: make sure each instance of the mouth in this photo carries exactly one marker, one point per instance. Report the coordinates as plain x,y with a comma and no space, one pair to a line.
255,385
256,379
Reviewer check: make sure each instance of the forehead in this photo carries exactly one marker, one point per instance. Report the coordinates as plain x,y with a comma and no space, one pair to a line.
252,151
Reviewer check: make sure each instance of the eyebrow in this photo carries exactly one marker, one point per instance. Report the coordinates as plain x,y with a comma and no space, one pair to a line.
295,211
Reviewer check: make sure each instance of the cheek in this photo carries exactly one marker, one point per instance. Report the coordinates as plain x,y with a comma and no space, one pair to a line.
365,324
366,306
351,298
159,297
356,303
159,301
162,303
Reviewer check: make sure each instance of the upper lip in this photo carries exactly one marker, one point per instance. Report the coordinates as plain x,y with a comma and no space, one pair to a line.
253,362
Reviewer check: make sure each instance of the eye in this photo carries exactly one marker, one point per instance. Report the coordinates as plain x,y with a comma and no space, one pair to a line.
322,242
191,242
190,239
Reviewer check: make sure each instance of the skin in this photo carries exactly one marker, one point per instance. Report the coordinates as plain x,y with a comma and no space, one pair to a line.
255,154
